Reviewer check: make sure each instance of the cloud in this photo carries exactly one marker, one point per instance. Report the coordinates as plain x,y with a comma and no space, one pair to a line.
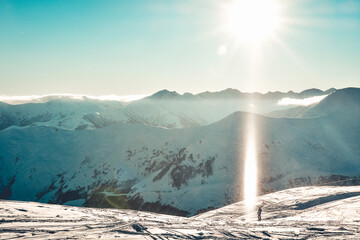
301,102
44,98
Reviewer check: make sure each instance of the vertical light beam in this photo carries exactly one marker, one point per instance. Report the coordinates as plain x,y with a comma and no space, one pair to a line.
250,169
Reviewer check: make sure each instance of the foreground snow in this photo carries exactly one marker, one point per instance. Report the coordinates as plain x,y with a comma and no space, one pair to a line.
299,213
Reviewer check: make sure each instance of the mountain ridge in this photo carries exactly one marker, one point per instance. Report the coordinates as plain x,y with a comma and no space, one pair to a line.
162,109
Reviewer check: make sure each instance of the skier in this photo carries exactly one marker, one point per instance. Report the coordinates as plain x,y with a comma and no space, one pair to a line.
259,213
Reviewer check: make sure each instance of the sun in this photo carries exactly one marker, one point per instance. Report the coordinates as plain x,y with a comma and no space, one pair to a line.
252,21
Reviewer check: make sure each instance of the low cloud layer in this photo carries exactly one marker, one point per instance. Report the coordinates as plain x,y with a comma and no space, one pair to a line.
301,102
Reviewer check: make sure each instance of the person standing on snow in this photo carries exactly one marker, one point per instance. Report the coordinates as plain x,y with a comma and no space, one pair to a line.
259,213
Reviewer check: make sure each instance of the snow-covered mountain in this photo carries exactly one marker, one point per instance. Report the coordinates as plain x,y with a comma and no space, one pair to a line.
63,113
179,171
341,102
162,109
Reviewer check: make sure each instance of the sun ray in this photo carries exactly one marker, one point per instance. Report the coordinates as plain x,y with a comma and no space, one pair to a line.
250,169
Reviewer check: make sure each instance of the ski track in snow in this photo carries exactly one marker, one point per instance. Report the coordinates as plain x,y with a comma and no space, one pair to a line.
299,213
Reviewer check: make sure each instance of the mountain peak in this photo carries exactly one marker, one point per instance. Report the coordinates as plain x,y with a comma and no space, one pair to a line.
311,93
231,91
226,93
330,90
164,94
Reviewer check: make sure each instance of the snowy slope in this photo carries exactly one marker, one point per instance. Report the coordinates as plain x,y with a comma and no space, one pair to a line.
178,171
128,160
300,213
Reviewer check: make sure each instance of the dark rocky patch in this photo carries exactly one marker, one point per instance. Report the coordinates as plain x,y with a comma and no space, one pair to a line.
39,118
98,199
180,164
203,210
70,195
338,180
181,174
6,191
138,203
299,182
162,172
98,121
6,120
82,127
46,190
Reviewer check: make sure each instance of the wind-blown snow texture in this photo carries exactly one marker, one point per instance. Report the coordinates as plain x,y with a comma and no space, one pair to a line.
91,153
299,213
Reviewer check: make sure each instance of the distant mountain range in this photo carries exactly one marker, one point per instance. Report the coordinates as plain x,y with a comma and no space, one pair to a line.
172,153
231,93
162,109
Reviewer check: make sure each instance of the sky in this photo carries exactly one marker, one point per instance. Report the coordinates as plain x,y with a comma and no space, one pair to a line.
139,47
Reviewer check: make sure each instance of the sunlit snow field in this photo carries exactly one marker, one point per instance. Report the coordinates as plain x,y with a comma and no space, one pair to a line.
298,213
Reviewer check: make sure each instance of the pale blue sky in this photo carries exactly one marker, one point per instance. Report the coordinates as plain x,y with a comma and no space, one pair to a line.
139,47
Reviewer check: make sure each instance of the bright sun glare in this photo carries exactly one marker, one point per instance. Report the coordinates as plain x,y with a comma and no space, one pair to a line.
252,21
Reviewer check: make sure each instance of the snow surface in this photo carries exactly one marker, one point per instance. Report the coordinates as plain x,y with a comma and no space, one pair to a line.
298,213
